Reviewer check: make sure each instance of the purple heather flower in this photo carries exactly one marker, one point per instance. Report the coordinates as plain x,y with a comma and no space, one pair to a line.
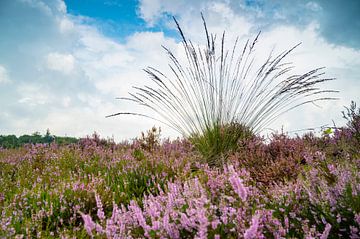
251,232
326,232
354,232
100,211
332,168
215,223
237,184
88,223
138,214
357,218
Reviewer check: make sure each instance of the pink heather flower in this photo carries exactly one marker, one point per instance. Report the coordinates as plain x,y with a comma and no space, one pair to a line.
217,236
308,158
238,186
251,232
215,223
184,221
203,223
99,228
138,214
354,232
88,223
286,220
100,211
331,168
357,218
169,228
326,232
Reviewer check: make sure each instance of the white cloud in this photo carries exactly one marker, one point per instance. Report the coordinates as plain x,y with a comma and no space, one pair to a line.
149,10
61,6
66,25
38,4
4,77
32,95
66,101
313,6
60,62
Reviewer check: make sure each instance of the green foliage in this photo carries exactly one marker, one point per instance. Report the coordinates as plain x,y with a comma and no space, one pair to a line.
218,142
327,131
138,154
11,141
64,140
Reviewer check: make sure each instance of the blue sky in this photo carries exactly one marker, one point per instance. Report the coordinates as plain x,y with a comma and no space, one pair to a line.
116,19
119,18
63,63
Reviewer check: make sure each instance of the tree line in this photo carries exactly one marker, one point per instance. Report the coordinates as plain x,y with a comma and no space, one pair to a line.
12,141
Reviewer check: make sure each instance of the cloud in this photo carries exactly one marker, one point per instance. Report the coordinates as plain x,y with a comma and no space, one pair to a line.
66,25
313,6
4,77
149,10
338,21
60,62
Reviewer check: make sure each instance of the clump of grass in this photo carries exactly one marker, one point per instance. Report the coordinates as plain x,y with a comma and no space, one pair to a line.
216,98
217,143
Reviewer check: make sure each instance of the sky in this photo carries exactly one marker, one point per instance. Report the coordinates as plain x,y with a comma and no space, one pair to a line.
63,63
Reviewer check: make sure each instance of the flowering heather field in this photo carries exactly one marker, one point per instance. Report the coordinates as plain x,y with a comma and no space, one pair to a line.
303,187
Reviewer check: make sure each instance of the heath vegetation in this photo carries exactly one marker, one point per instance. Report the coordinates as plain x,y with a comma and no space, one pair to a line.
288,187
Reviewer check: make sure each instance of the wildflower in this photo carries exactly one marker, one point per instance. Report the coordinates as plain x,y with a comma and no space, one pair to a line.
88,223
251,232
326,232
237,184
100,211
215,223
332,168
357,218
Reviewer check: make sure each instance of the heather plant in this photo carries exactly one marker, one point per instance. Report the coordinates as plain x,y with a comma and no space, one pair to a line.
279,160
342,142
327,196
216,98
352,115
43,187
151,140
282,188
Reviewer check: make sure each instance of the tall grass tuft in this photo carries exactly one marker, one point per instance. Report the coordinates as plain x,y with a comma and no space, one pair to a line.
217,98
